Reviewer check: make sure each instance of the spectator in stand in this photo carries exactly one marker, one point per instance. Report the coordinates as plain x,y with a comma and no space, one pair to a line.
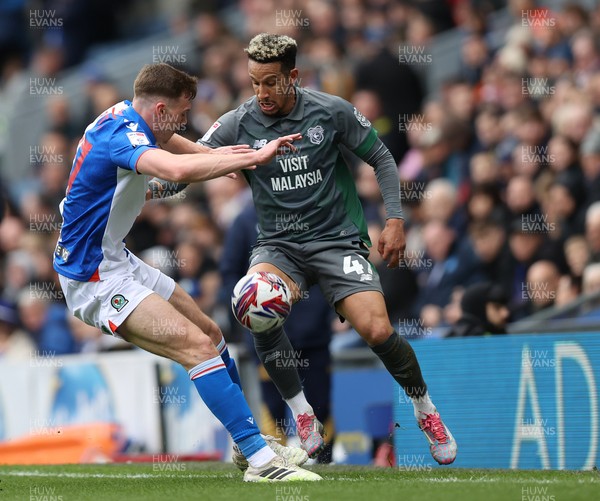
484,311
577,254
520,198
452,262
592,230
15,344
491,247
563,158
590,163
488,131
383,75
573,118
565,198
591,278
441,204
44,318
475,54
525,248
484,203
539,291
586,62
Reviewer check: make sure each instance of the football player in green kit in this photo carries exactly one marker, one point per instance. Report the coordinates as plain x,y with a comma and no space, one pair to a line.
312,229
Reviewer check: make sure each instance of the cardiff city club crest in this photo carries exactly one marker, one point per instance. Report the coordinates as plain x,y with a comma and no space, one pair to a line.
316,134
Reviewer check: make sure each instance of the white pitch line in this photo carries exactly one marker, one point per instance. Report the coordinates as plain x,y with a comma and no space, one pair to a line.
23,473
483,480
134,476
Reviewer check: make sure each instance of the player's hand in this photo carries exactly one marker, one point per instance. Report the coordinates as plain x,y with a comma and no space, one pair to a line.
229,150
392,242
267,152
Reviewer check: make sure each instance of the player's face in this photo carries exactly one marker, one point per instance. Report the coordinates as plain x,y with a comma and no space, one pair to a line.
171,117
274,89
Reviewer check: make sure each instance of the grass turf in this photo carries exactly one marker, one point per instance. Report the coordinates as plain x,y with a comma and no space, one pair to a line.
218,481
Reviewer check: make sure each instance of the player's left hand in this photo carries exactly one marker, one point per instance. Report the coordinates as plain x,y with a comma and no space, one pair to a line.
392,242
229,150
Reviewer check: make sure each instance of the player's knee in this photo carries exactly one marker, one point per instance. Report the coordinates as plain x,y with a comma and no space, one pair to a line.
377,331
213,331
203,344
194,347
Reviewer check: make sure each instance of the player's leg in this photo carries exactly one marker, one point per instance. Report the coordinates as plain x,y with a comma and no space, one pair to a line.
367,313
182,302
274,351
350,283
315,372
183,342
186,305
122,306
186,344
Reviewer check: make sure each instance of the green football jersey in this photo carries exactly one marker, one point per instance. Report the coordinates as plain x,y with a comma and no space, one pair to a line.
309,193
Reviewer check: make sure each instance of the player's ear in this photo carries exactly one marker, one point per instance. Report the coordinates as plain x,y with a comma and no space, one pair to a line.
160,108
294,75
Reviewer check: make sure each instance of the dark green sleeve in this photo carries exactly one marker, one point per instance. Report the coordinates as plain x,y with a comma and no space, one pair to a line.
222,133
354,130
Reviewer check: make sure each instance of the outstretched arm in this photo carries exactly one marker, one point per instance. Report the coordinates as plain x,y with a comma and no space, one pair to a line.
190,168
180,145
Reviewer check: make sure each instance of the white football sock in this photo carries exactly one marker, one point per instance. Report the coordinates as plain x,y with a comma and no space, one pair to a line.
423,405
299,405
261,457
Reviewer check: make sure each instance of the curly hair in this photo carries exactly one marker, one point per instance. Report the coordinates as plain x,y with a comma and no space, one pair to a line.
269,48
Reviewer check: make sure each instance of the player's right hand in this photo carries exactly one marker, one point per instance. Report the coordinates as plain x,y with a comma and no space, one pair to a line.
267,152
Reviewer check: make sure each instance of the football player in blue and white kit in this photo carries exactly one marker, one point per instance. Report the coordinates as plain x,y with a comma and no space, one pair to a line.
106,286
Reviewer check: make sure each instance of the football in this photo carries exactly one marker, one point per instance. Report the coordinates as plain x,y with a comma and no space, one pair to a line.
261,301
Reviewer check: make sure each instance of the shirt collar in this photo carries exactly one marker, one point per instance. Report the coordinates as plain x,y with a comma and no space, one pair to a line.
297,112
134,116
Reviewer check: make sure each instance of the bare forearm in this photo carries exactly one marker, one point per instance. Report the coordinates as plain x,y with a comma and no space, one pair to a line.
190,168
197,168
180,145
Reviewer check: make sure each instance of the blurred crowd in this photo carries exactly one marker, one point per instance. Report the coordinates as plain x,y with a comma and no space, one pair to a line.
500,169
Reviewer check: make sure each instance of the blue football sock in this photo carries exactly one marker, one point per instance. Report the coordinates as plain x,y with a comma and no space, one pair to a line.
226,402
229,363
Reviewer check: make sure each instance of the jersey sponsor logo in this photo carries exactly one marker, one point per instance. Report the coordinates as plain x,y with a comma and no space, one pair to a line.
211,131
137,138
118,302
293,163
133,126
287,183
259,143
316,134
361,118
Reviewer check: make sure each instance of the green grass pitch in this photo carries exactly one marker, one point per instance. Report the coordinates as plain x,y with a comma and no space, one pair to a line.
218,481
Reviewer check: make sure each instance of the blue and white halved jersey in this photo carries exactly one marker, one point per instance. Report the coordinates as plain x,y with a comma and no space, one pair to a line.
104,195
